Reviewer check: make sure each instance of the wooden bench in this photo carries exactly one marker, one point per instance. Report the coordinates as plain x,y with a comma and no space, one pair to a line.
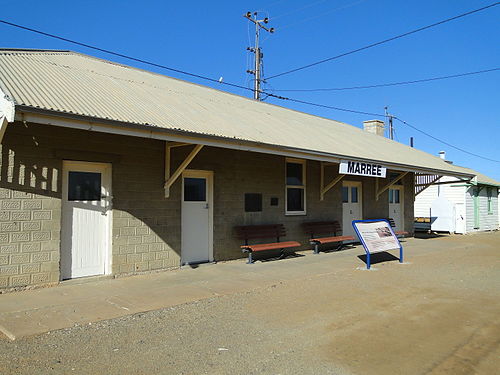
317,231
248,233
396,232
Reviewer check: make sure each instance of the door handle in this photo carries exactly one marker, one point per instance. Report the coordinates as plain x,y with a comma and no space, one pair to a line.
206,206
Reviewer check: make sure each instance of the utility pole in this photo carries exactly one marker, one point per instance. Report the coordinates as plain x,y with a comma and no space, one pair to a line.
257,51
391,128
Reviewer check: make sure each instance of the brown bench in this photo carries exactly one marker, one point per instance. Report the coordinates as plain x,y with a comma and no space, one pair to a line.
248,233
396,232
318,229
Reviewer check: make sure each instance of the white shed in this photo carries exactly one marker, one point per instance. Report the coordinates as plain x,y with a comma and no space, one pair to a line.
474,205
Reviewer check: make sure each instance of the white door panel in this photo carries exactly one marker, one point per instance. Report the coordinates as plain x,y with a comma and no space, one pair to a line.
460,218
86,210
352,208
196,223
396,206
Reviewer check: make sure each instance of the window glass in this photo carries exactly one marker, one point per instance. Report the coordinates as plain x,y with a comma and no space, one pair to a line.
294,174
354,194
391,196
295,199
345,194
195,189
84,186
396,196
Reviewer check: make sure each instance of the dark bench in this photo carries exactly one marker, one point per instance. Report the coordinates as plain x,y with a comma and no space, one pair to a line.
396,232
322,232
248,233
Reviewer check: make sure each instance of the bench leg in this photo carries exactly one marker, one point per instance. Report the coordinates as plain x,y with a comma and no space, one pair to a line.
282,255
250,260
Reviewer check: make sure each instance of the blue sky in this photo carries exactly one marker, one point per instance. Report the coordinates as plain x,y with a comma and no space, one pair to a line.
210,38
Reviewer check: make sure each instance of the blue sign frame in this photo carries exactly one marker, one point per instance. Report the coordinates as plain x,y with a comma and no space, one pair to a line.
368,264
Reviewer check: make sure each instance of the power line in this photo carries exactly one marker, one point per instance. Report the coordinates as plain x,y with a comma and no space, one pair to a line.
280,28
393,83
177,70
446,143
380,115
124,56
325,106
385,40
298,9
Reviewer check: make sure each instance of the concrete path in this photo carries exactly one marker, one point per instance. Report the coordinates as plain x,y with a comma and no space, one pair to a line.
79,302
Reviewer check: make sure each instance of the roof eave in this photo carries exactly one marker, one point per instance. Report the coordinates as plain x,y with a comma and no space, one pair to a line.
211,140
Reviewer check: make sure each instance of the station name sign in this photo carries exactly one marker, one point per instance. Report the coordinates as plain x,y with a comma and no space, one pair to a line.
362,169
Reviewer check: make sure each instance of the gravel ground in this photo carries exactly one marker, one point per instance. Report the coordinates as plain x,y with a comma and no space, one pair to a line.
437,315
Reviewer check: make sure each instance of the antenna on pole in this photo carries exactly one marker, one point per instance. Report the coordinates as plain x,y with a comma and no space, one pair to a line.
389,117
252,17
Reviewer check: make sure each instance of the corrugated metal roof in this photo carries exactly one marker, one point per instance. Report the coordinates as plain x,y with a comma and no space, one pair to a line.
481,178
70,82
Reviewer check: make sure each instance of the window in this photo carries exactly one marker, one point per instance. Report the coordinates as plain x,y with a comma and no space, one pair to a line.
354,194
295,187
84,186
394,196
345,194
195,189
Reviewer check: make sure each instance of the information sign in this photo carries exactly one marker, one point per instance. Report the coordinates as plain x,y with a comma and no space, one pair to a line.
376,236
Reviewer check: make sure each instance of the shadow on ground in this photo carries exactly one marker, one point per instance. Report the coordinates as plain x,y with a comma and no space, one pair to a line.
379,257
277,257
427,235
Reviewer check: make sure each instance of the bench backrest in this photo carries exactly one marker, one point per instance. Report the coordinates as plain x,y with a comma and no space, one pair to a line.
316,228
250,232
391,221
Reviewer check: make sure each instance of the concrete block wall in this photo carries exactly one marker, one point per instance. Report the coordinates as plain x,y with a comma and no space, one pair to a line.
146,226
146,229
239,172
30,211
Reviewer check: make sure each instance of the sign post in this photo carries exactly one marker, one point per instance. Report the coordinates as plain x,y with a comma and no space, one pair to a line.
377,236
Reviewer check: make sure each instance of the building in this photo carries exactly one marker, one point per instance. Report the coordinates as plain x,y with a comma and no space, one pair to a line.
454,206
109,169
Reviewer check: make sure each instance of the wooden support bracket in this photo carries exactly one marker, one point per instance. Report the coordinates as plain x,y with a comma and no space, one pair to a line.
170,179
387,186
324,189
3,126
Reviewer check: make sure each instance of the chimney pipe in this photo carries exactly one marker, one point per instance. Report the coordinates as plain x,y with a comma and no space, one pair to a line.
374,127
442,155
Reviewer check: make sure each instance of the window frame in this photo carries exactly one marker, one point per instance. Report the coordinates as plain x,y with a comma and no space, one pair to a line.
303,186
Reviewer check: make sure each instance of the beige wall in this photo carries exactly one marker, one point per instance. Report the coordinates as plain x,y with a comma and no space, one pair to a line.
146,225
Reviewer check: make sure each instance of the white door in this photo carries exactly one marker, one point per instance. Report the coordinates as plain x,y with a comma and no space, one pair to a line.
460,218
196,223
396,206
86,211
351,206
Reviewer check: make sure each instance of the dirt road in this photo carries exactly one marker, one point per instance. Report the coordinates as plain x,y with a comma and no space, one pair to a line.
439,314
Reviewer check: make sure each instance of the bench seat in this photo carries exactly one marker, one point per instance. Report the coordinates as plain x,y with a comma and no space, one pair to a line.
333,239
393,225
271,246
316,228
249,233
